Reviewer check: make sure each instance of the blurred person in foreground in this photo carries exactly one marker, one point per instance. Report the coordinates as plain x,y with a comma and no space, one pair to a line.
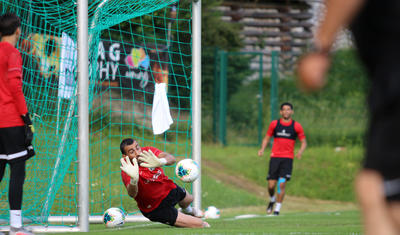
155,194
376,29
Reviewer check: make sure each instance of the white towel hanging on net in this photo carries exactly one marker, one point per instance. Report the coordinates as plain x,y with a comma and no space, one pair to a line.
161,117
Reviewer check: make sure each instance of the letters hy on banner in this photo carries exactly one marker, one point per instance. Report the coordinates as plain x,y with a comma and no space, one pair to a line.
136,67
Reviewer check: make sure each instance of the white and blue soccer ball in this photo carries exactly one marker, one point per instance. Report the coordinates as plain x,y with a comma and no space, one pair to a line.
113,217
187,170
212,213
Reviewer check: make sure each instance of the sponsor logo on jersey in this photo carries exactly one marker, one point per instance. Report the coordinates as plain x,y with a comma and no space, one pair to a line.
283,133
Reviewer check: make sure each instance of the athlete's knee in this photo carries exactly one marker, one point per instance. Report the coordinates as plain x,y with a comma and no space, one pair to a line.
271,184
186,201
281,185
189,197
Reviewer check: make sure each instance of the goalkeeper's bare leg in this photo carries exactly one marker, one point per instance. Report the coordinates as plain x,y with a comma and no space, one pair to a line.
188,221
187,208
189,217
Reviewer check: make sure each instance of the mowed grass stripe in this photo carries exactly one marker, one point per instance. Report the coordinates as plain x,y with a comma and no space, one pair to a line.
340,222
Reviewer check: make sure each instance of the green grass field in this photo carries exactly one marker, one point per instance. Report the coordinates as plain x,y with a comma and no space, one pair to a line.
339,222
237,190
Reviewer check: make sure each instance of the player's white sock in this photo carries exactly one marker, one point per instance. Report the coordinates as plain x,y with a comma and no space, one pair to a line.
278,206
273,199
188,210
15,218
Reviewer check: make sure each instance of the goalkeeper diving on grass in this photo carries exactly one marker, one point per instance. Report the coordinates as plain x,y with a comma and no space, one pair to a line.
156,195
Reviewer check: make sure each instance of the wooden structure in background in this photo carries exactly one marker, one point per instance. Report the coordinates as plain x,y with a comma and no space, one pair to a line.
282,26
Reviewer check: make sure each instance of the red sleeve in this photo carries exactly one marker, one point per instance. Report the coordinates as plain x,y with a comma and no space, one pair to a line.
14,78
299,130
156,151
271,128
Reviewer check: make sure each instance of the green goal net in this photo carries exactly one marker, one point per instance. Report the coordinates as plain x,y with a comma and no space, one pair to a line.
139,52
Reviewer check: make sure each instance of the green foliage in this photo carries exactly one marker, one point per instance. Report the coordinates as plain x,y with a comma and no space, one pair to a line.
219,35
238,71
215,31
242,108
336,116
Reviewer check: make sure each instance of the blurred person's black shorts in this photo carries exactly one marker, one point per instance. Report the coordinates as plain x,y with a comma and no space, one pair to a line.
166,212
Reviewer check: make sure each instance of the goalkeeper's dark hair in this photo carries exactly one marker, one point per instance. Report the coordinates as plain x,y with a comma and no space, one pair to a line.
9,23
288,104
125,142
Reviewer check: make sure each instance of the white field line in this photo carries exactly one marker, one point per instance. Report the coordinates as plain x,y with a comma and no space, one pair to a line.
125,227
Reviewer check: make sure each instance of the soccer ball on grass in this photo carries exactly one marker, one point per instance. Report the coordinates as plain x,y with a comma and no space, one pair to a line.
187,170
212,213
113,217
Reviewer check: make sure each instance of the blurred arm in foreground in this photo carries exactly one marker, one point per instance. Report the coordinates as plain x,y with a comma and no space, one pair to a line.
313,66
376,35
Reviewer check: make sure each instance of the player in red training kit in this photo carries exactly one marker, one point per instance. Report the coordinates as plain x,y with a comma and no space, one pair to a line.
285,131
16,130
155,194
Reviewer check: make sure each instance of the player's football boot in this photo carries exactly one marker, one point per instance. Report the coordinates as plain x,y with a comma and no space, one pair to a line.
276,212
194,212
19,231
270,207
197,213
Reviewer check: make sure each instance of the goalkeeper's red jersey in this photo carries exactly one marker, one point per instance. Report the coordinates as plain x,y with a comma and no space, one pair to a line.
153,185
12,100
285,135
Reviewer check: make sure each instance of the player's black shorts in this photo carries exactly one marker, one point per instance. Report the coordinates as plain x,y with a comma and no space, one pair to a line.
166,212
12,144
280,167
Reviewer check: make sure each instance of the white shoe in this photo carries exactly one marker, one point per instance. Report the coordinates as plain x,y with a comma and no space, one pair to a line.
19,231
195,212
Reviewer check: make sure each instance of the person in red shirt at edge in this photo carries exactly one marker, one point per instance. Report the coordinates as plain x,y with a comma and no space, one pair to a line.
155,194
285,131
16,130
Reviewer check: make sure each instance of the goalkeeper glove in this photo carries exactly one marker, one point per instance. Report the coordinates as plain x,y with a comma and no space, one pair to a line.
131,169
29,129
150,160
